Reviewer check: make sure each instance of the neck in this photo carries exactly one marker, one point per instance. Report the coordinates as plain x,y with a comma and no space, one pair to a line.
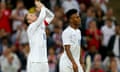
74,26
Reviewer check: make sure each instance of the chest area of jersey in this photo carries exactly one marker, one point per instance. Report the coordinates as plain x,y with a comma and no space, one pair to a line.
75,38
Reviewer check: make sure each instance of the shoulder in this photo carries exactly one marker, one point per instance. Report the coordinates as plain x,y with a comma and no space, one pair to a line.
30,27
67,30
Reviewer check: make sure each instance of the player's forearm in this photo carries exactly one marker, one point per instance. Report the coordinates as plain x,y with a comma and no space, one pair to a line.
49,15
41,17
67,49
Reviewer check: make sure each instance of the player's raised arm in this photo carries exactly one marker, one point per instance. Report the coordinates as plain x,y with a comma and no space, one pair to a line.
42,13
49,16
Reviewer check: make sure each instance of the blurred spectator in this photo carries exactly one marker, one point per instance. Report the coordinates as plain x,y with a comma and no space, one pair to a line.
3,38
97,67
57,38
107,31
50,42
91,52
52,59
70,4
89,57
87,2
18,14
111,57
93,35
22,34
113,66
59,13
99,16
3,33
88,64
101,3
21,52
90,16
83,10
5,42
110,15
54,3
9,61
5,18
114,42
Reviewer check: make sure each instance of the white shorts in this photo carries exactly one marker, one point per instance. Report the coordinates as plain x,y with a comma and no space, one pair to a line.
69,69
37,67
65,68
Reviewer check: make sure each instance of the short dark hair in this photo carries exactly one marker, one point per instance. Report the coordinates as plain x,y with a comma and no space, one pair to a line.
70,13
109,19
25,20
19,1
111,54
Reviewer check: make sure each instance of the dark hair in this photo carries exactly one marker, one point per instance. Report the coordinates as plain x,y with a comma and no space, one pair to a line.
111,54
25,20
56,27
70,13
19,1
109,19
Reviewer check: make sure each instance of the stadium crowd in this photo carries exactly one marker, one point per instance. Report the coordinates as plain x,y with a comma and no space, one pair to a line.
100,43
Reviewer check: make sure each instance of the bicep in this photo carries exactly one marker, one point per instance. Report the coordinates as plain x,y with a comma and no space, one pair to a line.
66,39
67,47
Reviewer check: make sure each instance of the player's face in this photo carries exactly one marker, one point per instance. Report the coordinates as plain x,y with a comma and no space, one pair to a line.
31,18
75,19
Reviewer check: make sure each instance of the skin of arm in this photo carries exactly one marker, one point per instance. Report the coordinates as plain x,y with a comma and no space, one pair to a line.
67,49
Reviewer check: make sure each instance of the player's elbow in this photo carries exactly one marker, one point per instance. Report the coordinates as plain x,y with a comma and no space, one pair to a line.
67,47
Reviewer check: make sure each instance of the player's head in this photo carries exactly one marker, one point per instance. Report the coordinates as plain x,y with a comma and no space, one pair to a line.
30,18
73,17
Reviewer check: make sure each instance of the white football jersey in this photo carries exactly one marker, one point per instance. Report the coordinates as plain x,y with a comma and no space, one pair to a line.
37,36
71,37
